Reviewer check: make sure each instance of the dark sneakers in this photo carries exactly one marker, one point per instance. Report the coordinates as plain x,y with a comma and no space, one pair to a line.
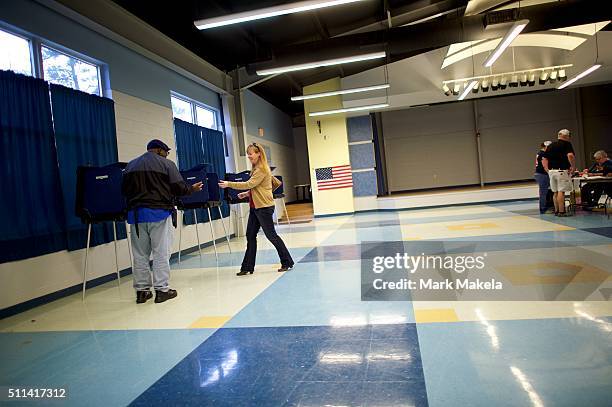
143,296
285,268
161,296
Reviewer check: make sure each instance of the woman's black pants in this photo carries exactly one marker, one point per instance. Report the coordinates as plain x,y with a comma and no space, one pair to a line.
262,218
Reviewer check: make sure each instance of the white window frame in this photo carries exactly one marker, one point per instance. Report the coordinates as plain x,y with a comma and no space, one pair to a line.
70,54
36,44
193,104
30,40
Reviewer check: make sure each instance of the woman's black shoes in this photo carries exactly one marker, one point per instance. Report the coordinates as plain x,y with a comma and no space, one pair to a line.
244,272
285,268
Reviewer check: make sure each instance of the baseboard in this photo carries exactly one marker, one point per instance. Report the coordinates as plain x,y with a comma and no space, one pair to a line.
45,299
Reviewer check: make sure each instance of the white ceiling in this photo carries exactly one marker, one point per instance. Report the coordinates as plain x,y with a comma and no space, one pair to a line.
418,80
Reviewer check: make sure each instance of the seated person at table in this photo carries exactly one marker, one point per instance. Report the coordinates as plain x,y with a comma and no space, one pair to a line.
591,192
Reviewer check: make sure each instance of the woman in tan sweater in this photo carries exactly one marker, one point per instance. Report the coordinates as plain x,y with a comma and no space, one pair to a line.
259,190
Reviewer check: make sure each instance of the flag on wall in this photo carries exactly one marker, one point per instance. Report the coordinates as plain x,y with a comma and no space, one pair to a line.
334,177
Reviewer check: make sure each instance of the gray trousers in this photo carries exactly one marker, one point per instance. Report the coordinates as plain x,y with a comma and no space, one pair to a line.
154,242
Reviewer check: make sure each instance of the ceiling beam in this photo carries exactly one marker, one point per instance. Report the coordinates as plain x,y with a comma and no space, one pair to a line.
403,42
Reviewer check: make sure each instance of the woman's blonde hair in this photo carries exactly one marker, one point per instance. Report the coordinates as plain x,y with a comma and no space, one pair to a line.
263,159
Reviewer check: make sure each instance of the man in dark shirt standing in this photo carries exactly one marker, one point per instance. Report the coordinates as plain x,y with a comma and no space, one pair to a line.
559,161
150,184
591,192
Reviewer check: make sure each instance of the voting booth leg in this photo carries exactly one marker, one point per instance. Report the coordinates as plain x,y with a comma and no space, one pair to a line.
86,258
285,209
195,216
212,232
116,256
129,237
224,229
180,226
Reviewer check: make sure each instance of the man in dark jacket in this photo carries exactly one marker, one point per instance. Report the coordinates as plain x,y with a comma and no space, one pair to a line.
150,184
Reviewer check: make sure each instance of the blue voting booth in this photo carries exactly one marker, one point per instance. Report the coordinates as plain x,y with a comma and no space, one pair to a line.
231,195
207,198
99,199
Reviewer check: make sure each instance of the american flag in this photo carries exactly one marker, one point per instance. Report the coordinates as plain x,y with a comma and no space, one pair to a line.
334,177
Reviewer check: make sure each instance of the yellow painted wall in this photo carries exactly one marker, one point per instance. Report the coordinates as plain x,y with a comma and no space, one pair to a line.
327,148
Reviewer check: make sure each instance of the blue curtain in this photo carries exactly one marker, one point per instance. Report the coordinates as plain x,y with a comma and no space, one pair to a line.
197,145
32,208
214,154
85,134
189,154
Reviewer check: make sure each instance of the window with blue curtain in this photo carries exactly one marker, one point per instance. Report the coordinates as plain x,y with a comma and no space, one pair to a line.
197,145
32,208
85,134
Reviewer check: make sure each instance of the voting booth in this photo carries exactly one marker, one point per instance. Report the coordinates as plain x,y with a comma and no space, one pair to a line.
207,198
231,195
99,199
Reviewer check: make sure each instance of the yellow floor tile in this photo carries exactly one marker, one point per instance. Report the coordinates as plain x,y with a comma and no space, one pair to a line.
435,315
484,227
210,322
566,273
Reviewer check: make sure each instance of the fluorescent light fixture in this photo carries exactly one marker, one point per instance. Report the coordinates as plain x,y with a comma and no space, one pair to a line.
349,109
580,76
514,31
341,92
467,90
317,64
268,12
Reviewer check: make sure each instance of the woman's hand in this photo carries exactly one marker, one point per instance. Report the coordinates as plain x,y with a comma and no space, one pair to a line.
243,195
223,184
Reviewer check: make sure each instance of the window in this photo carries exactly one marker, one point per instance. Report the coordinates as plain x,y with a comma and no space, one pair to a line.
205,117
181,109
15,55
69,71
194,112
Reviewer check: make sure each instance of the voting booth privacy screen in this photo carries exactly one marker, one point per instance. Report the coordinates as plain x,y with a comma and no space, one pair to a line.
231,195
280,191
196,199
214,193
98,196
